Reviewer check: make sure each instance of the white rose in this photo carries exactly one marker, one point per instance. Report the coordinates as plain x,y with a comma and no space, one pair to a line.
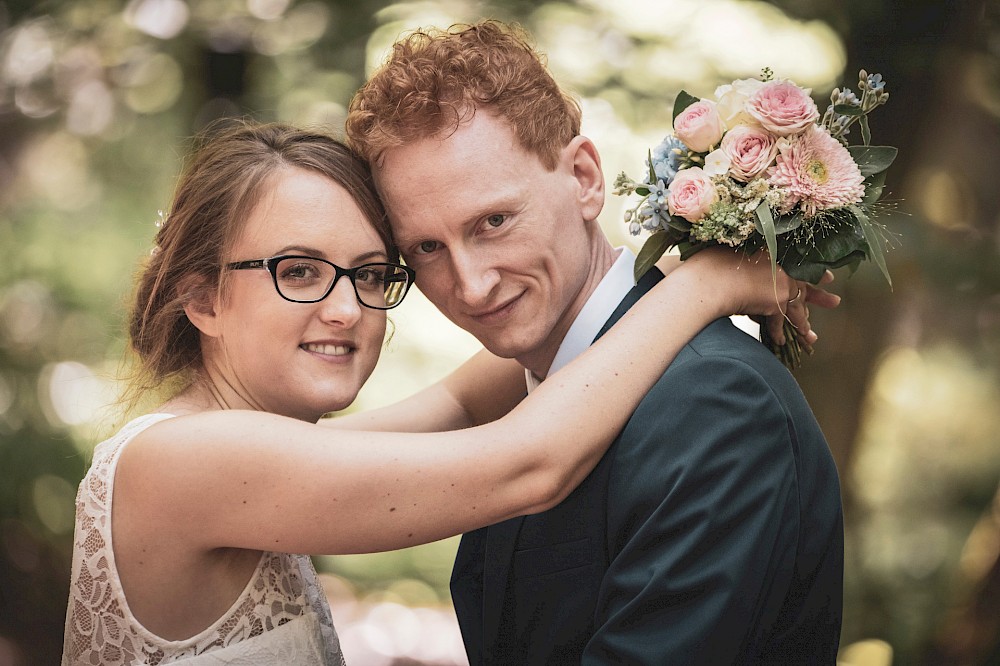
732,99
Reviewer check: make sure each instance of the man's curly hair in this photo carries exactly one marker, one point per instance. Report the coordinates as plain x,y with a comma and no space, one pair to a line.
434,79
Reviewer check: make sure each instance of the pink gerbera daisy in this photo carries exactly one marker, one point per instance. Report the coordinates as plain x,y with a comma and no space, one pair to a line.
815,171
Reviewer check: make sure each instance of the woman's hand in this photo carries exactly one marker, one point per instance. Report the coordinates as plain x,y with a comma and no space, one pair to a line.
797,310
746,285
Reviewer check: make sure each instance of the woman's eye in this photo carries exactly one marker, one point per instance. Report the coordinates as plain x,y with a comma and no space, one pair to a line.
496,220
369,277
299,272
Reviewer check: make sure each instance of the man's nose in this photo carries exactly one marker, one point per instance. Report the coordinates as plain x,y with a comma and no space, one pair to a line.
476,278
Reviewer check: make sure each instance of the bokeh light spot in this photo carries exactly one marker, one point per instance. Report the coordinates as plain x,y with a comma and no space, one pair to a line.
163,19
30,53
75,394
53,497
153,84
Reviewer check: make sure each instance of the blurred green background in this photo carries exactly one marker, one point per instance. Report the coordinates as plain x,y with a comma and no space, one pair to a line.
98,97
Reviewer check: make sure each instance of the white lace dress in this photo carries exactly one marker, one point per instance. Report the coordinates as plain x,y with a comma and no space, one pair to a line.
281,617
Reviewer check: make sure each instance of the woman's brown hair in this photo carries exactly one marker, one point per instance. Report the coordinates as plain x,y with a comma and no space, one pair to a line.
224,178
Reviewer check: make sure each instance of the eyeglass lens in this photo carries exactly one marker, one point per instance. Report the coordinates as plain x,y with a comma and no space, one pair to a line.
305,279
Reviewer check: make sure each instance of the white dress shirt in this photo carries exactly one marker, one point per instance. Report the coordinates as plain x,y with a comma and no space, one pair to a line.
595,313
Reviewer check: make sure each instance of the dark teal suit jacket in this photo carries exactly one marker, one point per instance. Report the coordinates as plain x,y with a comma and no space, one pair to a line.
710,533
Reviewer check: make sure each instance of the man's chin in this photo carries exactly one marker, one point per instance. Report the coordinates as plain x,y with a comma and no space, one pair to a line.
507,348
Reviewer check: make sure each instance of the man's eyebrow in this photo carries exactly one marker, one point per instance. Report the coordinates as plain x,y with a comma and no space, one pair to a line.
407,239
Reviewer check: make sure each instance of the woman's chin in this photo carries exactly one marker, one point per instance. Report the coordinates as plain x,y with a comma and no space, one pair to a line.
333,406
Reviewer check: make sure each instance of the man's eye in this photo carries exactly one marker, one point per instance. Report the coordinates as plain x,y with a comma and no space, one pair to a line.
496,220
427,247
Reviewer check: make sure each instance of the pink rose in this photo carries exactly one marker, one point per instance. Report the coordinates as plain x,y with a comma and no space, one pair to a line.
699,126
783,108
750,150
691,194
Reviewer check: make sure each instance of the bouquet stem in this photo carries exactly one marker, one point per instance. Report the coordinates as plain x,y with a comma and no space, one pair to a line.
790,353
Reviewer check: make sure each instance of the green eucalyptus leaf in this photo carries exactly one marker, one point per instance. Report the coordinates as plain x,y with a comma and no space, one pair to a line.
683,101
650,253
642,190
807,271
675,236
652,172
852,261
678,223
765,225
874,184
836,245
787,223
872,159
866,132
874,241
847,110
689,249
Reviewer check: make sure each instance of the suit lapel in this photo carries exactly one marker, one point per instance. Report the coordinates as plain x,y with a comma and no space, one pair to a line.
501,539
647,282
500,542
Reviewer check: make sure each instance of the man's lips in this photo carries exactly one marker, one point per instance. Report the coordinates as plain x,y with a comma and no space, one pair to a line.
495,314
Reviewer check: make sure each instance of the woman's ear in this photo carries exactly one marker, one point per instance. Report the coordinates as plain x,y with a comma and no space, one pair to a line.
200,304
585,162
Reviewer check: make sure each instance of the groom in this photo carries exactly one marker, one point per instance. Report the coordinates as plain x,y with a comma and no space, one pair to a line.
711,532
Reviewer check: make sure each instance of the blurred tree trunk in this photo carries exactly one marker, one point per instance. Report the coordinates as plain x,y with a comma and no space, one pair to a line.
942,66
922,48
970,634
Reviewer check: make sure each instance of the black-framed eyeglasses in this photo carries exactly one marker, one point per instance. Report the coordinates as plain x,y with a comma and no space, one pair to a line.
303,279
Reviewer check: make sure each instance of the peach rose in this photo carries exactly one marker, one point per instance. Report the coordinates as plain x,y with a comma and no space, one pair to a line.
691,194
750,149
781,107
699,126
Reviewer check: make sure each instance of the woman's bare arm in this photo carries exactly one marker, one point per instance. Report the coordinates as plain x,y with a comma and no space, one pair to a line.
487,387
264,482
481,390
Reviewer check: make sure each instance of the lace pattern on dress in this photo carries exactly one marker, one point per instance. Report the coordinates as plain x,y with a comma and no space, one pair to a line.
100,629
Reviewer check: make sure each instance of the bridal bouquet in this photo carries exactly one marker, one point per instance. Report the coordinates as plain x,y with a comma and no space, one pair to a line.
759,167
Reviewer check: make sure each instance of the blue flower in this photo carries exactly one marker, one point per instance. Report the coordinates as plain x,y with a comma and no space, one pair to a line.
657,192
875,82
650,210
667,158
847,96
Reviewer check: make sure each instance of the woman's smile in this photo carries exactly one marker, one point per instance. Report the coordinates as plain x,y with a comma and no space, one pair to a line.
329,349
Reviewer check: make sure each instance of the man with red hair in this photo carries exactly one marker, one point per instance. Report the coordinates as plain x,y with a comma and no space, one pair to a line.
712,531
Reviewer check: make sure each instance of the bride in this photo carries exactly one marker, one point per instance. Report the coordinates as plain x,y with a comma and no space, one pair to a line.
264,304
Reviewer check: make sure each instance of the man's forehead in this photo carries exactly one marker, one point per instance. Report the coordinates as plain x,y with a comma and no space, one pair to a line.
476,131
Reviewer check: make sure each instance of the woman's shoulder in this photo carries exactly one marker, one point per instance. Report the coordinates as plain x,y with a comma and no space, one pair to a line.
132,428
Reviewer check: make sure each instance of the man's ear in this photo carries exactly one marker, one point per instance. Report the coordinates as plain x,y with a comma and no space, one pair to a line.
585,161
200,304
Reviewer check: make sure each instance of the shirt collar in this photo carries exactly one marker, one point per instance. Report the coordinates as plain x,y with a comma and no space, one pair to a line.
613,287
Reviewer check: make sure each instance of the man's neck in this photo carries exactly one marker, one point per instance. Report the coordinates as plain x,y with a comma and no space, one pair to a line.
602,258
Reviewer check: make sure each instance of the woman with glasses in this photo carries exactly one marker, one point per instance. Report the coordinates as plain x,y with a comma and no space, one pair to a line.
261,309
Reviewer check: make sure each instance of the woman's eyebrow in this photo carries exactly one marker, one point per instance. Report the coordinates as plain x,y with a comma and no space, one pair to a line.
374,254
319,254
